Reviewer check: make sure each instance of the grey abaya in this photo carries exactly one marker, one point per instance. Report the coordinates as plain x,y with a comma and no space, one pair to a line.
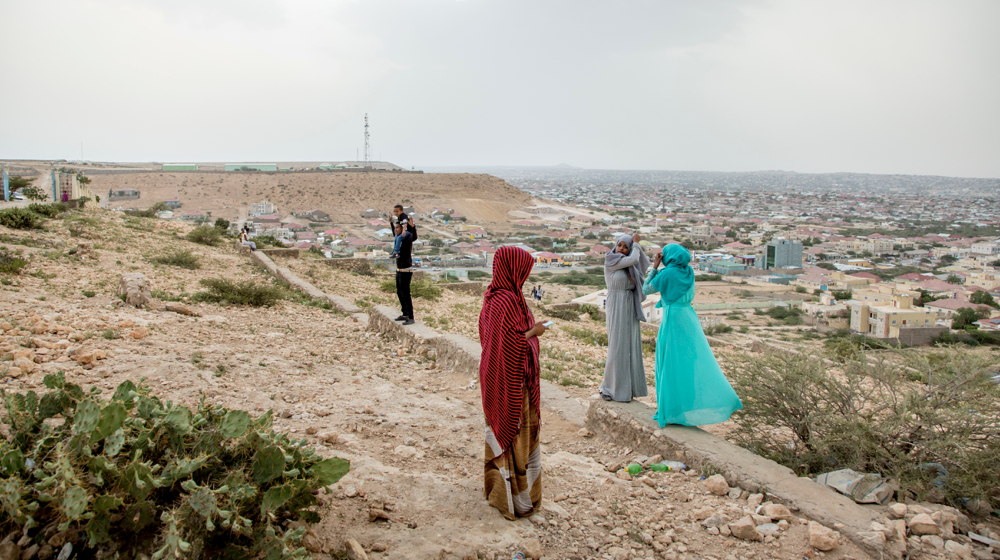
624,374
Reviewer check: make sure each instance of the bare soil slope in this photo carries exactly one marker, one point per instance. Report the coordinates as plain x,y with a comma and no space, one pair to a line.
480,198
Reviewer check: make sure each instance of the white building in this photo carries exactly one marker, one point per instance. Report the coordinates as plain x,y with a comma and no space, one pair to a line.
989,248
653,314
261,208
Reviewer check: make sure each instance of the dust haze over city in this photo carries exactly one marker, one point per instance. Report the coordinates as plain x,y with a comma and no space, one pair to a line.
247,250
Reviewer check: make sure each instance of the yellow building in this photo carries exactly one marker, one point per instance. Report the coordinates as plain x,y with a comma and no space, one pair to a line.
883,311
988,280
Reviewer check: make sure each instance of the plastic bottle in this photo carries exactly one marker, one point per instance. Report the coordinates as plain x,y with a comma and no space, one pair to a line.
668,466
634,469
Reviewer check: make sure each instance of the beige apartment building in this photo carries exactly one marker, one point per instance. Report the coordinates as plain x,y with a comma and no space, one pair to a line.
988,280
888,312
874,246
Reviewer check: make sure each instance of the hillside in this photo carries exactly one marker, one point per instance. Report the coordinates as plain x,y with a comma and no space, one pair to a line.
481,198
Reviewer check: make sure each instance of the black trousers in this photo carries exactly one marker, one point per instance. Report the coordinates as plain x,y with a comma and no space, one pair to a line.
403,292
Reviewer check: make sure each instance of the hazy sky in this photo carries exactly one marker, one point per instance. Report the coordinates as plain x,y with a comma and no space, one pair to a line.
905,86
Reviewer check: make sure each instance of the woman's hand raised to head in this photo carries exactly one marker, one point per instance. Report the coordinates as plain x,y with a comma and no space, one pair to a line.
658,259
636,238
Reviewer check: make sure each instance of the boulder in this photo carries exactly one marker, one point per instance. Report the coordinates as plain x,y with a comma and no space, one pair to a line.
25,365
533,549
135,289
777,512
822,538
139,333
354,551
745,529
959,550
897,511
181,309
9,551
717,485
923,524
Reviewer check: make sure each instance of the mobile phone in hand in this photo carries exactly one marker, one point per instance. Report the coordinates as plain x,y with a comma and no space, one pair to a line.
547,324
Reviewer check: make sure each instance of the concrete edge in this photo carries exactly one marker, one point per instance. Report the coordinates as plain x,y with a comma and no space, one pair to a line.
632,424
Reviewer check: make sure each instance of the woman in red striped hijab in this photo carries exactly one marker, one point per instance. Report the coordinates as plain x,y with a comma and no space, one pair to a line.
509,377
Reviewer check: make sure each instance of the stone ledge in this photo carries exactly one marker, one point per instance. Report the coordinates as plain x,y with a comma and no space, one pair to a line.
632,424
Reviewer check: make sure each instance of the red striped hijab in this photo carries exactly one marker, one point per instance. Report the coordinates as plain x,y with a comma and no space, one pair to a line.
509,361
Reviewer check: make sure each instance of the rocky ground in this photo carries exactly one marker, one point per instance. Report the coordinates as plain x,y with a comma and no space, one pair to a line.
413,432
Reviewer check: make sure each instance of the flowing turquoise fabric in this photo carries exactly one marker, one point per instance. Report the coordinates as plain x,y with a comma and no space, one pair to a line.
690,387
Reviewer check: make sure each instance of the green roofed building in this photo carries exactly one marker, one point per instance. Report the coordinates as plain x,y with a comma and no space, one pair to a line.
179,167
251,167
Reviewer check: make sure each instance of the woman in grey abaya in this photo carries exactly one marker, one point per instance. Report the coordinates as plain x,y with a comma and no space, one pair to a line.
624,271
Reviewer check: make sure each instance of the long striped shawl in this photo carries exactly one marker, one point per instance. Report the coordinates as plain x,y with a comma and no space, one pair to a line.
509,361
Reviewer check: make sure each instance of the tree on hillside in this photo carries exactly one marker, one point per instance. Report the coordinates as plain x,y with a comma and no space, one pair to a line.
947,259
17,183
953,279
828,266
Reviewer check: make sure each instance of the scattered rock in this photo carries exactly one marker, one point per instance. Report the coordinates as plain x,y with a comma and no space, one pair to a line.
139,333
716,520
960,550
717,485
135,288
380,547
769,530
923,524
405,451
897,511
377,514
585,433
745,529
533,549
181,309
354,551
9,551
822,538
623,474
777,512
330,437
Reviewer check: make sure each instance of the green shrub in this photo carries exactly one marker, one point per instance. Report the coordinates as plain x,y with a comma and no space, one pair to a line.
708,278
721,328
11,264
111,334
564,314
223,290
48,210
842,295
419,288
793,320
267,240
179,258
136,476
886,414
221,224
205,235
19,218
479,275
88,293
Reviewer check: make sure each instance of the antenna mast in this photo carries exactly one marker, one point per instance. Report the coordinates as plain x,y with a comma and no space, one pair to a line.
368,161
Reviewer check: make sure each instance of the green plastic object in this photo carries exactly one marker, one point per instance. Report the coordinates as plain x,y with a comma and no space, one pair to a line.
634,469
659,467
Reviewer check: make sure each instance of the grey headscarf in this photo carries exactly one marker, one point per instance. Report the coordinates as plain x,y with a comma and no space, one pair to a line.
637,271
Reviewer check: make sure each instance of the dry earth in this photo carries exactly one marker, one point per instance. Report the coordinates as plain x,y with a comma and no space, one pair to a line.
412,432
343,195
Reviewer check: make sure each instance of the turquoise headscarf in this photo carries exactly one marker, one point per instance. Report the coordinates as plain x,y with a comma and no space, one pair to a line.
678,273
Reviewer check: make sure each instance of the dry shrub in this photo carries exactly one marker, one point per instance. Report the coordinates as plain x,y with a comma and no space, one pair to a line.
889,414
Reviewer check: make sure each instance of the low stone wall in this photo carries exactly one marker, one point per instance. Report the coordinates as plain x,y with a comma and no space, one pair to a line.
918,336
288,253
350,264
474,288
341,303
631,424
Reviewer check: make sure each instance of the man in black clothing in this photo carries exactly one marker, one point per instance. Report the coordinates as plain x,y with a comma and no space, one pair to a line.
404,266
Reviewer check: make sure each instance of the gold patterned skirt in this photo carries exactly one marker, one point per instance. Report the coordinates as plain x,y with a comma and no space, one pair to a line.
513,482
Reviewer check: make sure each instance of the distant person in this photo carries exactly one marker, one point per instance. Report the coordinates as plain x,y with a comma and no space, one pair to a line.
509,379
624,271
690,387
404,269
534,293
245,239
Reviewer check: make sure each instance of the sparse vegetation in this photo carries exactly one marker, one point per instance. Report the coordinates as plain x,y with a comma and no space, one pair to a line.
418,289
182,258
883,413
205,235
11,264
19,218
223,290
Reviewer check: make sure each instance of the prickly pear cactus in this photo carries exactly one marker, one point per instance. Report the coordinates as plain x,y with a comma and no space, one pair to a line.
136,475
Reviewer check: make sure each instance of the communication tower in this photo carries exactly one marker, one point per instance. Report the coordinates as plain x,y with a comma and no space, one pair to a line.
368,161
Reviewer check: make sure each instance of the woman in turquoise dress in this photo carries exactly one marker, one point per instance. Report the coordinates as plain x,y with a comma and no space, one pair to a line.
690,387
